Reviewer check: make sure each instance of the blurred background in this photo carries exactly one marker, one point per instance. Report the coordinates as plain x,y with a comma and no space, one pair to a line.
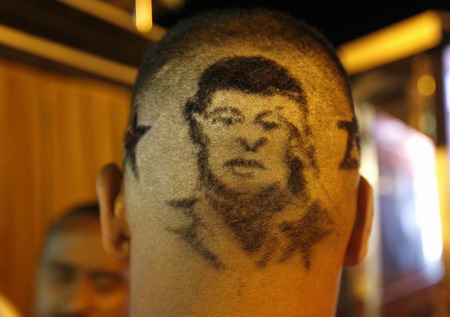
66,74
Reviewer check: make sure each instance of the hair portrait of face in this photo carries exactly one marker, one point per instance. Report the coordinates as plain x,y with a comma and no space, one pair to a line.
249,120
242,123
240,189
242,147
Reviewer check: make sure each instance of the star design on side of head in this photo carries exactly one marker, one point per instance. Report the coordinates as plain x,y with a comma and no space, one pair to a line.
132,137
349,162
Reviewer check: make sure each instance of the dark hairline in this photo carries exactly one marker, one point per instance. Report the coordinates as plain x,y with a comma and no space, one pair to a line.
290,88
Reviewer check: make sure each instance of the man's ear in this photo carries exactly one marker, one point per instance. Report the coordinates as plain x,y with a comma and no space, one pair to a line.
115,229
357,245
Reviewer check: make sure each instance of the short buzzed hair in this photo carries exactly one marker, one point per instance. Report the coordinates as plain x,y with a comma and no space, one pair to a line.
217,26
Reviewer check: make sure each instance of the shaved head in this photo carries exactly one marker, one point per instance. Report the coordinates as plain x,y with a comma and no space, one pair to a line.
241,184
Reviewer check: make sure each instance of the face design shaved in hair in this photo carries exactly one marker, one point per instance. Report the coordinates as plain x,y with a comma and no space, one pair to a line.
249,167
251,115
240,193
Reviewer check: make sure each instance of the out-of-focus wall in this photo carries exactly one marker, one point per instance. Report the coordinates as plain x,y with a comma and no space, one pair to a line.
56,131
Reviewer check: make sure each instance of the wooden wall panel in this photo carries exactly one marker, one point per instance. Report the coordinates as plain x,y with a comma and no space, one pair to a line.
56,131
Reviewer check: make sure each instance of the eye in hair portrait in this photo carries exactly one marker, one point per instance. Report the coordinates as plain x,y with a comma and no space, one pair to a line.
248,121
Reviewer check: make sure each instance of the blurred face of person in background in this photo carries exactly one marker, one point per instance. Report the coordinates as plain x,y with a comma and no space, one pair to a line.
76,278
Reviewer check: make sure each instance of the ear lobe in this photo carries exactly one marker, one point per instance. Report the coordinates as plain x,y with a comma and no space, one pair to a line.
115,229
357,245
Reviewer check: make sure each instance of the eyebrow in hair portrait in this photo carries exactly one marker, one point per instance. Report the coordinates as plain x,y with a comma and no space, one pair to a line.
254,164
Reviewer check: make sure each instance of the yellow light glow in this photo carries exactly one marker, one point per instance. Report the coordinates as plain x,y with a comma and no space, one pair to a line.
173,4
143,16
114,15
426,85
66,55
403,39
427,197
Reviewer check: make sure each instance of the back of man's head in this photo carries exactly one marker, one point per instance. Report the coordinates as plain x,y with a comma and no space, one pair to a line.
241,187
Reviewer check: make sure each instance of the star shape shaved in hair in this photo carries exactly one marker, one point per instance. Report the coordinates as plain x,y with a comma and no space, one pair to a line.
350,162
132,137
